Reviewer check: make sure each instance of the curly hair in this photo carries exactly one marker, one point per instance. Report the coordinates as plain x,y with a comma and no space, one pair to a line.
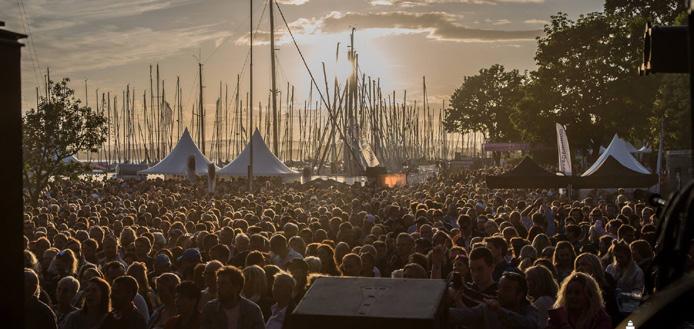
590,288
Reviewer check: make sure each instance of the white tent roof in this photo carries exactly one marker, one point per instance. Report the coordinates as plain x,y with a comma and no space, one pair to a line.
629,147
71,159
619,150
264,162
176,163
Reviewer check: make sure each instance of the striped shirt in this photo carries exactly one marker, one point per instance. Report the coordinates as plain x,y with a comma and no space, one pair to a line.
473,296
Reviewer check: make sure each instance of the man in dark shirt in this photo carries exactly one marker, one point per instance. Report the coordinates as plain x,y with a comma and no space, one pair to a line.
483,285
36,313
124,314
230,309
499,248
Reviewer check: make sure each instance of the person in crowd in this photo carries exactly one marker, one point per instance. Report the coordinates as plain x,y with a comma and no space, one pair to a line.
210,277
483,287
299,269
414,271
351,265
579,305
327,258
623,269
188,260
590,264
187,314
115,269
124,314
542,290
97,305
36,313
166,292
563,259
65,294
255,287
404,246
138,270
510,310
499,248
282,293
282,254
230,307
642,254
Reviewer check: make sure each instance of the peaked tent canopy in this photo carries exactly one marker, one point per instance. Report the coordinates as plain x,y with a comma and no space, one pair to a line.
613,174
619,150
176,163
616,168
71,159
528,174
264,162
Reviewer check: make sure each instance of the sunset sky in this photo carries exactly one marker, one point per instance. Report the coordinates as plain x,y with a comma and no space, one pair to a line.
112,43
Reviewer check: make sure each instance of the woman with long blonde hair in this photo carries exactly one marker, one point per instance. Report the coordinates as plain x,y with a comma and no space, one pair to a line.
255,287
579,305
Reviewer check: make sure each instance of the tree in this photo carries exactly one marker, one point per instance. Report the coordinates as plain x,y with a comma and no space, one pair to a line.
484,103
657,11
58,129
672,108
587,79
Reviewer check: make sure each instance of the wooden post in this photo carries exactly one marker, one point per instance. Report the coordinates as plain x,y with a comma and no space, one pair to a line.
11,175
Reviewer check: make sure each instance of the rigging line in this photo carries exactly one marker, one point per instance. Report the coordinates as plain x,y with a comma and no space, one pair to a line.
191,101
320,93
35,62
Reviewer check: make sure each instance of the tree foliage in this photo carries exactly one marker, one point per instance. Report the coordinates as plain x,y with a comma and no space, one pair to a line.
484,103
587,79
58,129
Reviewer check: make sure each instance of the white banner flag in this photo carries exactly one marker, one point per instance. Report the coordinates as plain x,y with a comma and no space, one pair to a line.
564,152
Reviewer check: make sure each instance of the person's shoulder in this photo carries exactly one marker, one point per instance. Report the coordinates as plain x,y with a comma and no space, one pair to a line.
43,308
211,306
249,304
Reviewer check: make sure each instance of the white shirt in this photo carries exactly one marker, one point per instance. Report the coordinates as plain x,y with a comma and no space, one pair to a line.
282,262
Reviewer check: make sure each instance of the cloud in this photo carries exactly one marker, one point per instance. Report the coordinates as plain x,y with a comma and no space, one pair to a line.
501,22
436,25
536,21
110,46
292,2
47,15
417,3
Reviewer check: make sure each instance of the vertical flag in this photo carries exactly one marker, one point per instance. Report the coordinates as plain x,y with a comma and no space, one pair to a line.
564,152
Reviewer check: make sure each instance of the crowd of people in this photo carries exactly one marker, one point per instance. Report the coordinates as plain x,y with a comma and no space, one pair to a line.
168,254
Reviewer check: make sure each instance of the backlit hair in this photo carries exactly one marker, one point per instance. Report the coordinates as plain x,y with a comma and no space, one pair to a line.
545,282
591,290
256,281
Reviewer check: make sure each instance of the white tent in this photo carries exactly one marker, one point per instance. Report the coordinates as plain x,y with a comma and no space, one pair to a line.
619,150
644,149
176,163
71,159
629,147
264,162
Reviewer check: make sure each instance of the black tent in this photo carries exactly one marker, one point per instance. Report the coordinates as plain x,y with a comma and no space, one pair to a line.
528,174
612,174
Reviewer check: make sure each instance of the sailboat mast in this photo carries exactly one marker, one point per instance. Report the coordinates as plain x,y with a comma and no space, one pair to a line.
250,107
273,91
202,113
